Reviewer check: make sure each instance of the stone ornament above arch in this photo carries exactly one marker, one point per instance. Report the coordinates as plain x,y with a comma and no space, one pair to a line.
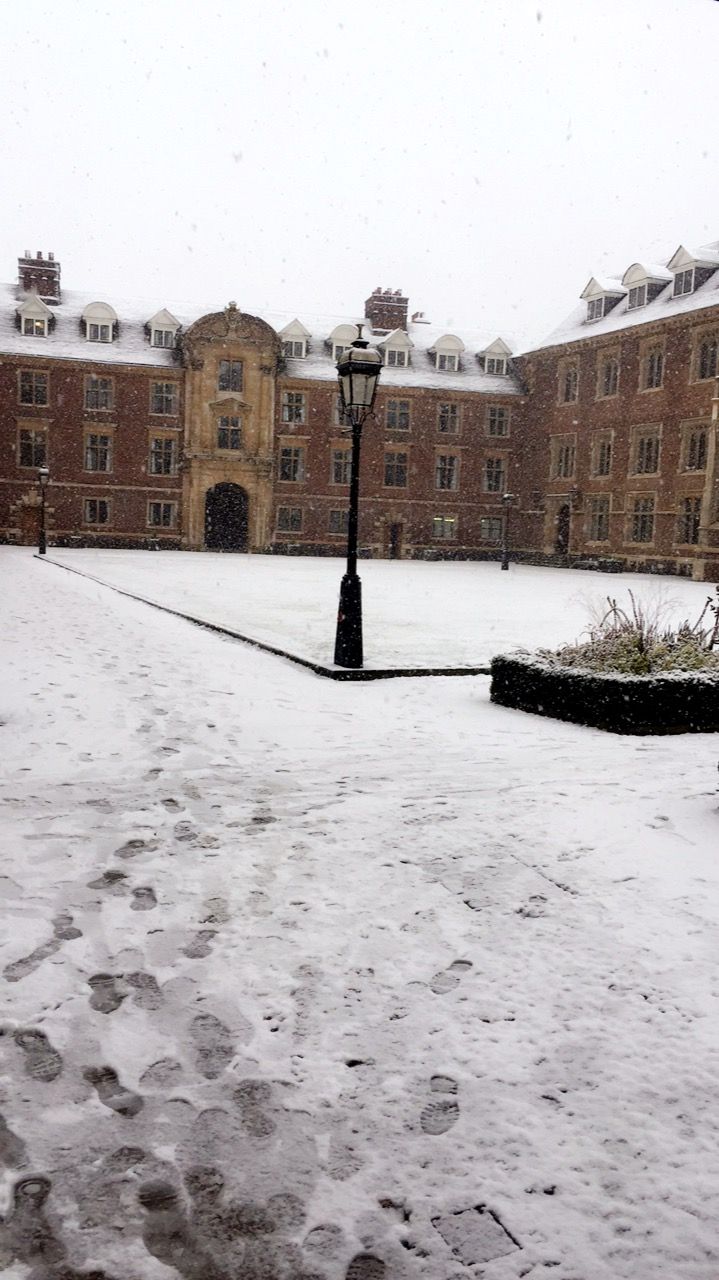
230,325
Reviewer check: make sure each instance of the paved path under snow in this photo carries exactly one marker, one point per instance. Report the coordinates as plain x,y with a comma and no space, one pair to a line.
350,982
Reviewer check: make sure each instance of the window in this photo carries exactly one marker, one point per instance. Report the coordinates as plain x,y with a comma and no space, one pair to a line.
229,377
495,364
396,358
292,464
683,282
338,521
98,452
96,511
569,384
444,528
695,449
162,515
493,475
229,433
339,349
289,519
609,377
641,528
163,337
395,470
563,458
33,448
294,350
598,526
448,417
446,471
646,458
398,415
99,333
637,297
99,393
447,361
164,398
595,308
337,412
33,327
33,387
689,520
340,469
653,368
490,529
497,420
163,455
293,406
602,456
708,358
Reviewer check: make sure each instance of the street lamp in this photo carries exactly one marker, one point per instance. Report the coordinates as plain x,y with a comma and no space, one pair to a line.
358,370
507,500
43,475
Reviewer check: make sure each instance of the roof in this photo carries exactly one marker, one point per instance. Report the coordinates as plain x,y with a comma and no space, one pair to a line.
576,328
66,341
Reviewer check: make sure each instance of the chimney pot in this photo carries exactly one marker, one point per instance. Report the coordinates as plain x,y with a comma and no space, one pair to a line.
39,255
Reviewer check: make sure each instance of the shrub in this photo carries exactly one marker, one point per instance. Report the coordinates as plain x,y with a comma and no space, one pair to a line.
636,640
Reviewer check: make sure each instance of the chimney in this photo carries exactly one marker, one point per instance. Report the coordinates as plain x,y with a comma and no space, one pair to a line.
386,309
40,275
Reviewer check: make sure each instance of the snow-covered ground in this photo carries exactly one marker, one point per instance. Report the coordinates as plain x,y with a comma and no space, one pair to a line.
431,985
415,614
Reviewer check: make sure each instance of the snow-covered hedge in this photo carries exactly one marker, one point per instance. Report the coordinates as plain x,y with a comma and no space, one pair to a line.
663,702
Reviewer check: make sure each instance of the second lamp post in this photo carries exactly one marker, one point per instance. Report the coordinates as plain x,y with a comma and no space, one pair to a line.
43,475
358,370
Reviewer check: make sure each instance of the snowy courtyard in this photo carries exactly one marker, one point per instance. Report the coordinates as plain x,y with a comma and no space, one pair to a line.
345,981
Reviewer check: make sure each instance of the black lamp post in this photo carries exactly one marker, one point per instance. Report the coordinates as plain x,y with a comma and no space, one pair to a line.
358,371
507,499
43,475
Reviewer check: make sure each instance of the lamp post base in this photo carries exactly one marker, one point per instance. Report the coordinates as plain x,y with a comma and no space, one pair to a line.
348,641
42,543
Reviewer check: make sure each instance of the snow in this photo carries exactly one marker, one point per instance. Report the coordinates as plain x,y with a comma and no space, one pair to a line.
67,341
430,982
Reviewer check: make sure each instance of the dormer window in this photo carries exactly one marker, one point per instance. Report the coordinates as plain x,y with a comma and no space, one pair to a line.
163,328
637,297
447,361
34,317
494,359
496,365
294,338
683,283
595,308
100,321
341,339
396,359
163,338
34,328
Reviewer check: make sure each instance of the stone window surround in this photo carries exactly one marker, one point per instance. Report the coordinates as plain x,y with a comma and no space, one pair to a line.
162,504
688,429
644,431
103,432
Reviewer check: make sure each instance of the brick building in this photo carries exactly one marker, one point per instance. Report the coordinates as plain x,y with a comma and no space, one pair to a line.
620,466
219,429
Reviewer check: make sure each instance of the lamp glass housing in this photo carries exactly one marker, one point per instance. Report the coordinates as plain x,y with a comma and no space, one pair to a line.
43,475
358,370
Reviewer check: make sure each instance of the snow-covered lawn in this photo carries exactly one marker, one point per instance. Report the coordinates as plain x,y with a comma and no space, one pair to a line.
378,954
437,614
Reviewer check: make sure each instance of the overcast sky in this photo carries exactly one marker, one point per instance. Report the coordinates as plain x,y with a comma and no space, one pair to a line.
486,158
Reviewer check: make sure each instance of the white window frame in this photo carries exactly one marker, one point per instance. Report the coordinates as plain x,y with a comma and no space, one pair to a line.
682,279
294,349
637,297
595,309
396,357
444,528
447,361
163,338
162,503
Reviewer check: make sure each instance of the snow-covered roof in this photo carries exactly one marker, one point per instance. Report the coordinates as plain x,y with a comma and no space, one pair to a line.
640,271
599,285
706,256
575,327
132,346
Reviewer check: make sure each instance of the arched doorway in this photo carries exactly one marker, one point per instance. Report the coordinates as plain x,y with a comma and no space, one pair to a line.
226,518
562,543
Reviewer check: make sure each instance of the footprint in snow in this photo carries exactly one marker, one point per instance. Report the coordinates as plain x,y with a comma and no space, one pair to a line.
147,992
13,1152
201,944
252,1097
111,881
442,1111
447,979
106,995
42,1060
365,1266
214,1045
110,1092
144,897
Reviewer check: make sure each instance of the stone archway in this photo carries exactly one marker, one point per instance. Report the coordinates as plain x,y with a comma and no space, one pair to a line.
226,523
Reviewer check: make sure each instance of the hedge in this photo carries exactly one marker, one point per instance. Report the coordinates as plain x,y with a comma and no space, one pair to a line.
666,702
